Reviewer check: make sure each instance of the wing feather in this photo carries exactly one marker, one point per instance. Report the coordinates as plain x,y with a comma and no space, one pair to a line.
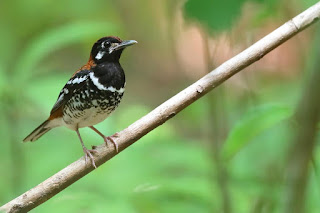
75,83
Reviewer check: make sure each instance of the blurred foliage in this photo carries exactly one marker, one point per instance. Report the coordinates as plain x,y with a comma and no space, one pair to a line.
172,168
56,39
221,15
262,117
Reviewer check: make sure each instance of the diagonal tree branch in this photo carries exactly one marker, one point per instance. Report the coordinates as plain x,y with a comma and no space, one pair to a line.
164,112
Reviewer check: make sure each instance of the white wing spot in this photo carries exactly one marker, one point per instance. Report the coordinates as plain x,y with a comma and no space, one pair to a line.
65,90
77,80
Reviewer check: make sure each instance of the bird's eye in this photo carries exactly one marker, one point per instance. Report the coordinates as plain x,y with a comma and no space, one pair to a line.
106,44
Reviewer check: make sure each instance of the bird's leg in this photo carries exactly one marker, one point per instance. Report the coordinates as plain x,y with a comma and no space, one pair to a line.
107,138
86,151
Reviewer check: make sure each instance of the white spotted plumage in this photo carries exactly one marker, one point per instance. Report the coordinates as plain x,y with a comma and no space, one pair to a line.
77,80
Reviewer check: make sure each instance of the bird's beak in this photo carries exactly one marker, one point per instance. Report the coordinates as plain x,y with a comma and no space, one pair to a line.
122,45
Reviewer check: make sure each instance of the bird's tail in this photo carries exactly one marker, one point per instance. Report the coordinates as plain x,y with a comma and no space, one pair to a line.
38,132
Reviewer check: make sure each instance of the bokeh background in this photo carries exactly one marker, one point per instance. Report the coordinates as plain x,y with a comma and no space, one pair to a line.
228,152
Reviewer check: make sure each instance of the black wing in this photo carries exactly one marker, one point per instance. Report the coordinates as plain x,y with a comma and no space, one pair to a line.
74,84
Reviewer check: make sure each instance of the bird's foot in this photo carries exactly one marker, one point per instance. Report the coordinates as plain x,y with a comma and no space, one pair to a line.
110,139
88,154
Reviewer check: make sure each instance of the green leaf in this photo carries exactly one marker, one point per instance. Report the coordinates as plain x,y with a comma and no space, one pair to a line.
217,15
252,124
56,39
221,15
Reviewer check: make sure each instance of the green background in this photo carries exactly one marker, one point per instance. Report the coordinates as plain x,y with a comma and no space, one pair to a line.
228,152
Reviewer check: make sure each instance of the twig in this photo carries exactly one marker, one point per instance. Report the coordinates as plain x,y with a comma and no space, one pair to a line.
164,112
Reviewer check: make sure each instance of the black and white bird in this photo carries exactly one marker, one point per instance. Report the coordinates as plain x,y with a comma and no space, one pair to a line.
92,93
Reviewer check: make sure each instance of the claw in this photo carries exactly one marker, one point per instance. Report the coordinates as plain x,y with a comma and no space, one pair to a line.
110,138
88,153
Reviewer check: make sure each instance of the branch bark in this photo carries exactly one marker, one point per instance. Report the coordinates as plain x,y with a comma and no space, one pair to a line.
164,112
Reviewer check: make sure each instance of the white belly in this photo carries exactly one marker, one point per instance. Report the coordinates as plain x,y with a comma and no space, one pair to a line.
85,118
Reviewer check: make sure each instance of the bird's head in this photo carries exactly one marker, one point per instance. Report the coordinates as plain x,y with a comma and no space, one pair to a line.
109,49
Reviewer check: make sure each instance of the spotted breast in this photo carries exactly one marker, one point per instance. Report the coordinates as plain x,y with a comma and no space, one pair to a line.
99,95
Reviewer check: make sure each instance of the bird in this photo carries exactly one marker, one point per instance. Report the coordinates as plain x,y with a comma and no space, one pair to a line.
92,93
